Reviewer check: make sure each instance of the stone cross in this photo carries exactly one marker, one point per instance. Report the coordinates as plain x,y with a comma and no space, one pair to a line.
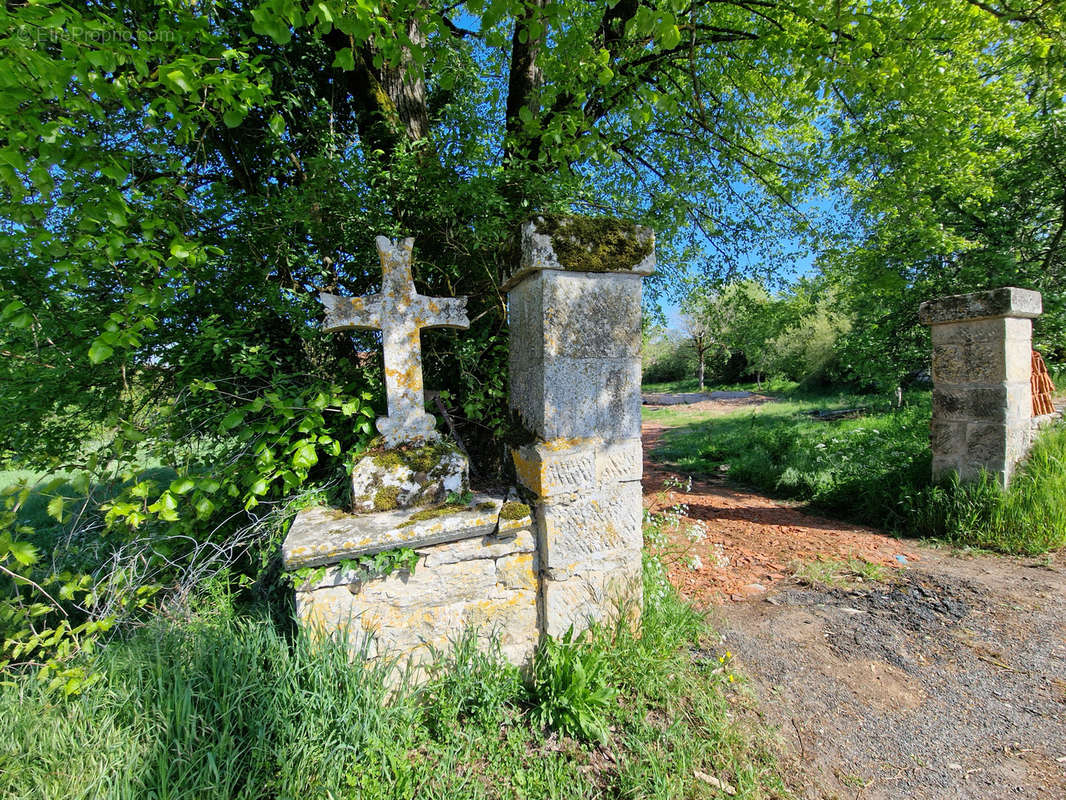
399,312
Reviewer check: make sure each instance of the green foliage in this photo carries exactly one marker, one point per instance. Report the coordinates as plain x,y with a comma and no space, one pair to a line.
40,627
664,359
376,565
853,467
472,690
569,688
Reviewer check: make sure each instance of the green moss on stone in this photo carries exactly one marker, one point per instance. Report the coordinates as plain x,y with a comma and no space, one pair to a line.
486,506
514,510
424,458
433,513
595,244
388,459
387,498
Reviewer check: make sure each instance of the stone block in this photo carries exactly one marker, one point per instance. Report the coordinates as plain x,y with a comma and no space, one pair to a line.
590,316
579,530
1006,302
594,593
999,401
995,329
619,461
948,438
564,466
986,445
518,571
981,362
561,466
492,546
465,581
584,398
411,631
326,535
403,478
573,372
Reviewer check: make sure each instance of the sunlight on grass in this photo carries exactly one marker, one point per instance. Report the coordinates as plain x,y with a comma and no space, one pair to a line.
874,468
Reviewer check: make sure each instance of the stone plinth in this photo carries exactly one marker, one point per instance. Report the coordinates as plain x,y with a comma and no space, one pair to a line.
982,398
574,309
402,477
477,571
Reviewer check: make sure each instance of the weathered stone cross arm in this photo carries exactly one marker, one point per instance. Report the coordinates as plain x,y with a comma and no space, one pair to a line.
399,312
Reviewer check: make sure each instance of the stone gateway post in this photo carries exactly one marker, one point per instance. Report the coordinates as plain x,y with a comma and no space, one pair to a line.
508,571
982,398
574,310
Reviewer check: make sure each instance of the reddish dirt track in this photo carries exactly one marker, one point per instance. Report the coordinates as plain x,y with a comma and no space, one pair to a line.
751,541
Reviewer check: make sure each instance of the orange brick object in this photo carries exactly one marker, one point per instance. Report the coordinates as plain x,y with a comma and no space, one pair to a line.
1043,388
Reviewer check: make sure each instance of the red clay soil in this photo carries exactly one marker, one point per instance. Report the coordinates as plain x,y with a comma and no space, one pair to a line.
751,542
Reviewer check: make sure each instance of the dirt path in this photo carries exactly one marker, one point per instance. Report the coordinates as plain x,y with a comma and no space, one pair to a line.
946,681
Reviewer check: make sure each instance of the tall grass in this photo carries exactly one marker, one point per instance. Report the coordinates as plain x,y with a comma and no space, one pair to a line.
228,706
1028,517
853,467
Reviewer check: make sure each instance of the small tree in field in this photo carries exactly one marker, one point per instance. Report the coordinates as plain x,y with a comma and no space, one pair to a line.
700,336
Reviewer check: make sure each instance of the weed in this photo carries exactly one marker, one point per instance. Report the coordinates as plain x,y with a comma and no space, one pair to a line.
836,572
569,689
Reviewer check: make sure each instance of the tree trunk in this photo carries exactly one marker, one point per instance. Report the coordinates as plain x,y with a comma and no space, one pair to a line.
702,362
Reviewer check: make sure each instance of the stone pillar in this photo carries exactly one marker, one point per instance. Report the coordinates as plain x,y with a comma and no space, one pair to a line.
982,400
574,309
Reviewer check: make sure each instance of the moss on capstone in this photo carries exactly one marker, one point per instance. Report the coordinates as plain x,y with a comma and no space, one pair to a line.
433,513
595,244
513,510
421,458
488,505
386,498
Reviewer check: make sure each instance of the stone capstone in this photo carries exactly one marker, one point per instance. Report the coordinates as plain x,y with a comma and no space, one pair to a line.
407,477
583,244
321,535
1006,302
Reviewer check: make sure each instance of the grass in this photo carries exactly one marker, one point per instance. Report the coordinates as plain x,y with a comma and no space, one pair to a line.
838,573
852,467
1029,517
874,469
773,386
226,705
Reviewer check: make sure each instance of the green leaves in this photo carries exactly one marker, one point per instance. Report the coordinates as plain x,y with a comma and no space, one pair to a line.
100,351
569,688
